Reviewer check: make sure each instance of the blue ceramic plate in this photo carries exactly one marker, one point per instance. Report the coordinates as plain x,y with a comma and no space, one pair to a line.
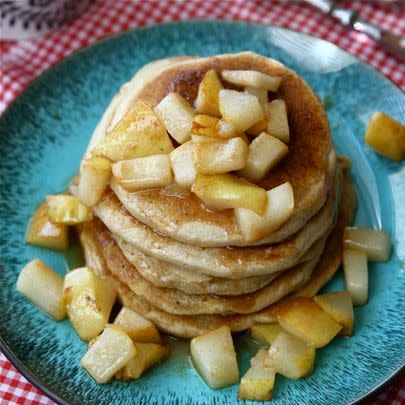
43,135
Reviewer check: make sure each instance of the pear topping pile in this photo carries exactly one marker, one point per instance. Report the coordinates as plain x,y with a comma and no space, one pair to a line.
227,143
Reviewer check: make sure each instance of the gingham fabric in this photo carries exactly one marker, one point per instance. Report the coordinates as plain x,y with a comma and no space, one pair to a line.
22,61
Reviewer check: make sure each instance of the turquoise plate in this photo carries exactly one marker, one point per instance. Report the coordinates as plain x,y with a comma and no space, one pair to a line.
43,135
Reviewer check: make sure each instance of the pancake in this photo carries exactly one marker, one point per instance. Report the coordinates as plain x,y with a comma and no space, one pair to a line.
309,165
163,274
235,263
186,326
177,302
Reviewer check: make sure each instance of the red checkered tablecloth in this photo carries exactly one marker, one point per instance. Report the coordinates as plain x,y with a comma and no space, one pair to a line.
22,61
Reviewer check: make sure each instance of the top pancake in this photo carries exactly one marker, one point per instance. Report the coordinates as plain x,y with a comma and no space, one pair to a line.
309,165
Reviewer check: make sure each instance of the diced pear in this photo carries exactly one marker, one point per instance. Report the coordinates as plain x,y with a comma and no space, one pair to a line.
265,152
260,93
240,109
92,341
228,130
197,139
279,207
94,176
223,191
259,358
375,243
386,136
258,128
112,350
44,287
204,120
67,210
214,357
42,232
265,333
132,370
183,164
143,173
339,306
152,353
301,317
356,275
252,78
291,356
209,132
258,382
221,157
207,97
278,120
140,133
177,116
214,127
136,326
89,300
205,125
148,355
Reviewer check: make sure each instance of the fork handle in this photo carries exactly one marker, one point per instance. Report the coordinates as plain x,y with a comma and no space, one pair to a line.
326,6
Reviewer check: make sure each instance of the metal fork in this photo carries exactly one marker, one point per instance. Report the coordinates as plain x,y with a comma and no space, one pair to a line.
389,41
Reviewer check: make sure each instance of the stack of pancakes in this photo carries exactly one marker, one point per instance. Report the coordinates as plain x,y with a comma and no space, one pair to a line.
188,269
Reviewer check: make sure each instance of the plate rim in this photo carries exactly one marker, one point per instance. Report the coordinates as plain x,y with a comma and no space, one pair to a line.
26,372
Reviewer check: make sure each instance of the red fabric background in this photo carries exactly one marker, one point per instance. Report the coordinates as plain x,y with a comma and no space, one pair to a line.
22,61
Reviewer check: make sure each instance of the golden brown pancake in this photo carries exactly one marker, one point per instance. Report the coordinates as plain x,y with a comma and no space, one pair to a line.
177,302
163,274
187,326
